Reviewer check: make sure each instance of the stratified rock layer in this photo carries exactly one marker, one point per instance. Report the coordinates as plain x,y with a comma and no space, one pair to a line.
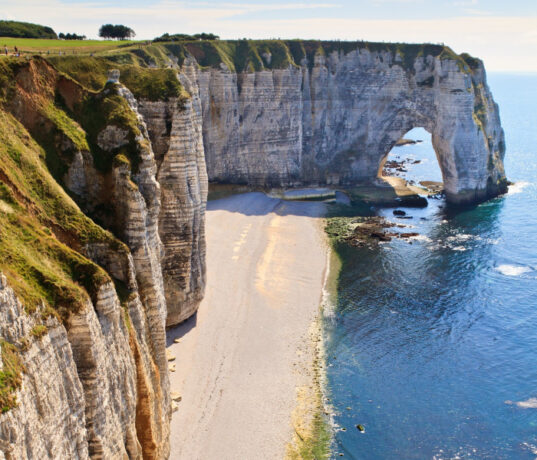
175,131
49,421
334,119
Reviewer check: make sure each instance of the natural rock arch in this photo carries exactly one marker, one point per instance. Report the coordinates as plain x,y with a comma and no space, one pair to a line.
334,116
395,154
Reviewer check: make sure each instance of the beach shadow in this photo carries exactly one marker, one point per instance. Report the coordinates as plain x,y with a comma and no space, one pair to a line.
260,204
179,331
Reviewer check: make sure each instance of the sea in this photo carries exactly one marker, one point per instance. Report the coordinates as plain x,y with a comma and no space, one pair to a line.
431,344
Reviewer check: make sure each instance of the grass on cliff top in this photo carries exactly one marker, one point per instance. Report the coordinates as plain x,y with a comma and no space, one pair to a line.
145,68
41,229
253,55
52,46
154,84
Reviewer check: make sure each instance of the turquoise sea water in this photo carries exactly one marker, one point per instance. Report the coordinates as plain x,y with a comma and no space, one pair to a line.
433,344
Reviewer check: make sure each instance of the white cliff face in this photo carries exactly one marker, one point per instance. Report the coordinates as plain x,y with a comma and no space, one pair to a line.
99,337
103,389
176,134
49,420
335,121
158,211
136,200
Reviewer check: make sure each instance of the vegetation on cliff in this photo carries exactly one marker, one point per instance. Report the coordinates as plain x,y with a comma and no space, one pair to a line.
237,55
154,84
254,55
10,375
41,229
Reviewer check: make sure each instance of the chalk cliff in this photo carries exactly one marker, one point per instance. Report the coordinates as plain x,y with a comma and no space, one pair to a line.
175,130
331,117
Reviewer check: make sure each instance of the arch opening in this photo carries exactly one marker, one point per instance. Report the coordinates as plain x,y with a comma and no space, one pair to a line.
412,165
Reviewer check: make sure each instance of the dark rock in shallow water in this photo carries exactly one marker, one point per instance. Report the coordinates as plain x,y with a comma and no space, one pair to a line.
381,236
408,235
399,212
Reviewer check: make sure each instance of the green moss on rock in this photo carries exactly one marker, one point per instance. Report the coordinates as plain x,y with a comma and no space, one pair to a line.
38,331
38,263
10,375
154,84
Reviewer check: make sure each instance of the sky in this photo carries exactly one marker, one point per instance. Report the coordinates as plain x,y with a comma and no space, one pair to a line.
501,32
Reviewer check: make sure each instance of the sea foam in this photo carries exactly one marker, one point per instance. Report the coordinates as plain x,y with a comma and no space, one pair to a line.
518,187
512,270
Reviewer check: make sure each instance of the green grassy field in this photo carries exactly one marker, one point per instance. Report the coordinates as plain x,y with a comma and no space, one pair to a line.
36,45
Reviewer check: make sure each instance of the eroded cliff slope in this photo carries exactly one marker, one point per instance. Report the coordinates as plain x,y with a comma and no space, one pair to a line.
84,371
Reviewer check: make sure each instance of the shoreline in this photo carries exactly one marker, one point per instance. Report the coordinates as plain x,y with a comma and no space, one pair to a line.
248,363
311,418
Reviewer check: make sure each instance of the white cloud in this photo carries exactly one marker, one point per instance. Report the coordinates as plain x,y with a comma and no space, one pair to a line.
476,12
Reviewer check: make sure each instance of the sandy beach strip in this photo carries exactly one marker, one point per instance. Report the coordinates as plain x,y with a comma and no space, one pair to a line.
243,360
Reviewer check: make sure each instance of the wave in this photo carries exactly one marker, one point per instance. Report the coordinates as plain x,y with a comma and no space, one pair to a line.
512,270
530,403
518,187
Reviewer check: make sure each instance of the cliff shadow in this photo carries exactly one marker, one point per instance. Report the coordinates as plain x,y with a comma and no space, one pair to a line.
260,204
182,329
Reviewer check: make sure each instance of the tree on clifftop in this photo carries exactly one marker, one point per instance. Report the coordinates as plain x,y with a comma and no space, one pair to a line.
117,31
70,36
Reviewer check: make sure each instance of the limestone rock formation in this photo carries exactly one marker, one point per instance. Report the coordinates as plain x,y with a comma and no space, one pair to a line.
176,134
50,416
106,376
333,117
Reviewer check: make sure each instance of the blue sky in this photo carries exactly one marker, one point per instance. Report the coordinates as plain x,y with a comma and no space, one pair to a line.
503,33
